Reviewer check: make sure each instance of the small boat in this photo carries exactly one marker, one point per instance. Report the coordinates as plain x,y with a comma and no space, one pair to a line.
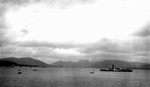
117,69
34,69
19,72
92,72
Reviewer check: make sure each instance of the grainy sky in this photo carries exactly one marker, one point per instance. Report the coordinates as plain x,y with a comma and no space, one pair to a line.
72,30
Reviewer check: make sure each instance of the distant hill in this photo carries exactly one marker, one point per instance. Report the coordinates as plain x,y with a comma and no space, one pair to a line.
102,64
26,61
122,64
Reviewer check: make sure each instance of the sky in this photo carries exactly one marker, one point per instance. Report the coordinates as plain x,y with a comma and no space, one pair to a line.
73,30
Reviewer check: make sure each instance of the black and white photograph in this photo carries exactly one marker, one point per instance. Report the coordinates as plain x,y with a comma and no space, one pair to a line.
74,43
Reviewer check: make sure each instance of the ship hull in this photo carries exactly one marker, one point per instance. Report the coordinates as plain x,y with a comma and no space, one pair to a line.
117,70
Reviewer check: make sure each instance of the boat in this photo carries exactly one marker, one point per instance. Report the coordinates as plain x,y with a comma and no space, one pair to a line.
113,69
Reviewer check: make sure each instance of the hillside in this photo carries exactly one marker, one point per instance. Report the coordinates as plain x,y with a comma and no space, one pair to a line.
8,63
26,61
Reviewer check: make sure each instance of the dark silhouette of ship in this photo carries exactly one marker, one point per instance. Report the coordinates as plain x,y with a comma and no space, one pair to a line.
116,69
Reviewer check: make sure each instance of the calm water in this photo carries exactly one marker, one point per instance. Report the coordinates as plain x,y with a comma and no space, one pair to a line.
72,77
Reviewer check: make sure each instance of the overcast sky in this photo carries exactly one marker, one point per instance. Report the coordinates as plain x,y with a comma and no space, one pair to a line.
72,30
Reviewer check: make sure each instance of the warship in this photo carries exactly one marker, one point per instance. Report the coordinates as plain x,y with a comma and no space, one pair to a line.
116,69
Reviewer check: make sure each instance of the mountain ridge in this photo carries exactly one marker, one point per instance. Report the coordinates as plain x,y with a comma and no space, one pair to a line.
103,64
25,61
28,61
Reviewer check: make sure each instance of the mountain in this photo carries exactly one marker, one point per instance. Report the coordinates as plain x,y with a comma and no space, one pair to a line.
26,61
102,64
8,63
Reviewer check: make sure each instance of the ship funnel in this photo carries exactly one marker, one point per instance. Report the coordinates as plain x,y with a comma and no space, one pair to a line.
113,66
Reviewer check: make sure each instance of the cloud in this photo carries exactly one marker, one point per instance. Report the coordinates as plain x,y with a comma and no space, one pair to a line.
17,2
41,53
141,44
106,45
135,50
107,49
50,2
142,39
100,56
101,50
2,22
144,32
13,5
48,44
14,50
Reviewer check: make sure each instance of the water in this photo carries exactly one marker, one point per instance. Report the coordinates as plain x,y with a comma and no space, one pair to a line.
72,77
